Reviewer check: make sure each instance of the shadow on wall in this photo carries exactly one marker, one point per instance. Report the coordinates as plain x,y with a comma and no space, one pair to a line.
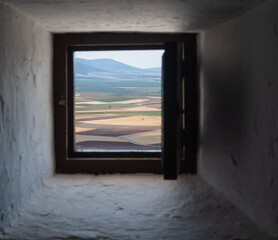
225,110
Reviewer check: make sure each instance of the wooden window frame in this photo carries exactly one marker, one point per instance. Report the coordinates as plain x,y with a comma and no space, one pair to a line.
117,162
110,154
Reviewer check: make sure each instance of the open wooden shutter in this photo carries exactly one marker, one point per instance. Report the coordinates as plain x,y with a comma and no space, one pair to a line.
172,110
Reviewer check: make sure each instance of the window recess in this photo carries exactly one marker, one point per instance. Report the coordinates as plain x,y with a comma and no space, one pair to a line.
110,121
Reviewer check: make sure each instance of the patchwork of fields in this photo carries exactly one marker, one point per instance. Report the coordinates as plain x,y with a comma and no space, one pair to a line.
109,121
116,106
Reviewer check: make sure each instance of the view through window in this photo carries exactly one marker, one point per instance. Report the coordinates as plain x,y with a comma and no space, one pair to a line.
117,100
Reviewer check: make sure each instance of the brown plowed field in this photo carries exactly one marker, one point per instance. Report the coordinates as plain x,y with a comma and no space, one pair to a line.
126,131
116,132
98,145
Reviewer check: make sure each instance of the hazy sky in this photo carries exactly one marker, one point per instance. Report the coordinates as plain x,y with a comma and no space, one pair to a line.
135,58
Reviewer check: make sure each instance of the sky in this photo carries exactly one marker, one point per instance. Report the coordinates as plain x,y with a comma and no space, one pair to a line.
135,58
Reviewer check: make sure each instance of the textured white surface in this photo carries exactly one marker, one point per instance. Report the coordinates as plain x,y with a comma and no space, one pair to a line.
132,15
121,207
26,153
126,207
239,131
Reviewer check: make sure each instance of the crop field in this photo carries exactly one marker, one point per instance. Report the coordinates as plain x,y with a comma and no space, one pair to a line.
116,106
111,120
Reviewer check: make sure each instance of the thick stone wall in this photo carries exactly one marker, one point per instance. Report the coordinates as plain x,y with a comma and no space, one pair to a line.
239,112
26,151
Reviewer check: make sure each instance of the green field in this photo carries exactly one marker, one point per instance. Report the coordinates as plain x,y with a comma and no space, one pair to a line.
108,106
142,113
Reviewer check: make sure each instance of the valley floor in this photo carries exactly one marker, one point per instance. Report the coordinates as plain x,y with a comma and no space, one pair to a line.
133,124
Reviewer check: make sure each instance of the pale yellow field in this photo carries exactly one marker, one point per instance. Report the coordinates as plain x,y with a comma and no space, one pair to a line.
133,109
80,117
129,121
124,102
92,102
145,138
81,138
141,108
80,129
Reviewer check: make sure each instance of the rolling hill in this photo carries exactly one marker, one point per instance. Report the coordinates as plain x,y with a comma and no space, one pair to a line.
110,76
83,68
109,66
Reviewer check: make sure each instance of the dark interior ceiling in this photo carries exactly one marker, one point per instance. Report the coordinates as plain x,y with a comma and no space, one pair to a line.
131,15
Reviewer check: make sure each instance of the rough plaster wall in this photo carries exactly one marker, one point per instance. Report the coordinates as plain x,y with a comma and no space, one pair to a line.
26,152
239,112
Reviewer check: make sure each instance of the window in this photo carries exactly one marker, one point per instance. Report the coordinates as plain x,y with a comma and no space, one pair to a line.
116,106
108,114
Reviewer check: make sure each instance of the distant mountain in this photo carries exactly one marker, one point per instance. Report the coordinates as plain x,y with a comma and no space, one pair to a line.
106,65
109,65
82,68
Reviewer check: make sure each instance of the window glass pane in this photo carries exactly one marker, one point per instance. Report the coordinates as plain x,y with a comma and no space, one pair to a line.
117,100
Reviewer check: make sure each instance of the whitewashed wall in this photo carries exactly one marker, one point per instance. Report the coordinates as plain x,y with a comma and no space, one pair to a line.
26,151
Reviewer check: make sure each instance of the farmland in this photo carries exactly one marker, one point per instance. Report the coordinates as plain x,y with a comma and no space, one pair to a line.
117,111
